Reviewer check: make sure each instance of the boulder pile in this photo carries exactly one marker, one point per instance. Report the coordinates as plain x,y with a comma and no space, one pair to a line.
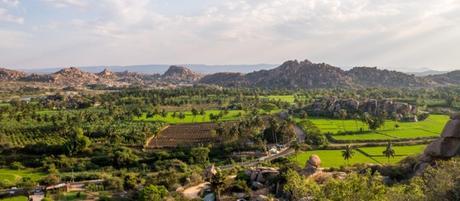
445,147
332,106
261,176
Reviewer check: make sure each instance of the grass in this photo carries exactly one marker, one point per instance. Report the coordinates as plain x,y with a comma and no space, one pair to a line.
283,98
333,158
12,176
430,127
17,198
189,118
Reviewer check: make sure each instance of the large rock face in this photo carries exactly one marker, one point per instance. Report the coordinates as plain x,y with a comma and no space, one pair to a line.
331,106
7,74
445,147
180,74
305,74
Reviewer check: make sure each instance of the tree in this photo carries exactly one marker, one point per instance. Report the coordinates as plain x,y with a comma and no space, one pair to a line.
194,113
123,156
77,142
153,193
348,153
199,155
343,115
217,183
296,146
389,151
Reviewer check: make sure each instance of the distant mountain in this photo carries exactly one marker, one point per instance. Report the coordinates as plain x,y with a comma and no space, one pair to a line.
7,74
180,73
305,74
161,68
373,77
450,78
427,73
290,75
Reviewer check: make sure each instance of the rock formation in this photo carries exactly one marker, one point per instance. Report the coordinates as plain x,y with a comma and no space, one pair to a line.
445,147
7,74
305,74
180,74
312,165
332,106
261,176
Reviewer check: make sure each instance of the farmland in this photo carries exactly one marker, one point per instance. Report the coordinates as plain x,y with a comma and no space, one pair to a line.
183,135
430,127
333,158
189,118
9,176
17,198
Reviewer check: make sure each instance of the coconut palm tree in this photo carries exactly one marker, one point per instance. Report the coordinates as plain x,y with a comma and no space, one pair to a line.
389,151
348,153
296,146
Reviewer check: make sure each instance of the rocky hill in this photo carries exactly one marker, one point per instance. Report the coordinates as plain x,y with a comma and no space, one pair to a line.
450,78
290,75
305,74
7,74
180,74
373,77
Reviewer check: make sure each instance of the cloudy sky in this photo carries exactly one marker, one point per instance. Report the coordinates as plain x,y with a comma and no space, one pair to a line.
403,35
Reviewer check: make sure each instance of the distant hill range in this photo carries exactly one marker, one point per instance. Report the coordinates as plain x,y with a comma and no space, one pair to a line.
289,75
161,68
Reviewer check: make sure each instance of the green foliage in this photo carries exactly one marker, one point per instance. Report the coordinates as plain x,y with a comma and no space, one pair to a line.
153,193
77,142
199,155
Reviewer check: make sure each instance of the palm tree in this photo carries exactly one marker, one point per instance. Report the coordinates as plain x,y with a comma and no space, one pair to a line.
296,146
343,115
217,183
389,151
348,153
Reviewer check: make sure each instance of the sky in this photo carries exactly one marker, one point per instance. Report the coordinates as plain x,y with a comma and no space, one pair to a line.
402,35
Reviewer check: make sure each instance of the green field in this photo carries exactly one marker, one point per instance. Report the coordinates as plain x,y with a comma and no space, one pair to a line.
333,158
430,127
18,198
283,98
189,118
12,176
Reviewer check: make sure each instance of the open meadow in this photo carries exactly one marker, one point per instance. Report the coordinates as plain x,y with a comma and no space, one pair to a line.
333,158
430,127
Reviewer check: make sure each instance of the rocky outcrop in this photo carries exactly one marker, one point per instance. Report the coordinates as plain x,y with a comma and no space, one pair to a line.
373,77
180,74
261,176
7,74
332,106
107,74
306,75
445,147
312,165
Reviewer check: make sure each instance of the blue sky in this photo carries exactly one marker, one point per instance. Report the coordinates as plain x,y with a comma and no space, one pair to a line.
402,35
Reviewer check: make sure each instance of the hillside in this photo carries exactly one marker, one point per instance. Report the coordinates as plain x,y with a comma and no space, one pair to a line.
180,74
450,78
305,74
373,77
7,74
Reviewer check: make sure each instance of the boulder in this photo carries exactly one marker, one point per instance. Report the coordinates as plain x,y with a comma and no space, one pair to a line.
314,161
445,147
257,185
452,129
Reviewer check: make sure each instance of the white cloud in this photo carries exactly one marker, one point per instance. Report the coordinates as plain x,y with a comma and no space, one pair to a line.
342,32
12,3
7,17
68,3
